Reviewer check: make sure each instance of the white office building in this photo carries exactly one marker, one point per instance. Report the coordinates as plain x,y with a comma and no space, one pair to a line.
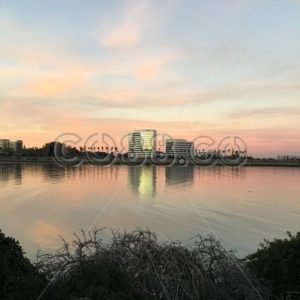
142,142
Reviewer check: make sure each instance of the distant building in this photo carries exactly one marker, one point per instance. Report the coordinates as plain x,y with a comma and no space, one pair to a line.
179,147
142,142
4,145
51,148
16,146
7,146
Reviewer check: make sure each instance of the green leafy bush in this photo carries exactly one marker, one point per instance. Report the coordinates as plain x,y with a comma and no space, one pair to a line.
19,279
278,261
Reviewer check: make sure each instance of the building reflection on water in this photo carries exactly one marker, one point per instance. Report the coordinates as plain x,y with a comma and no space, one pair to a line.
16,171
142,180
179,175
11,172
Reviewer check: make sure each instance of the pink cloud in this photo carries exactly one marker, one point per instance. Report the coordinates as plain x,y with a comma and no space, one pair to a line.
54,85
126,35
260,141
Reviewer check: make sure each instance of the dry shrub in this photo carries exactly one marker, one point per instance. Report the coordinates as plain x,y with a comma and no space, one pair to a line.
205,270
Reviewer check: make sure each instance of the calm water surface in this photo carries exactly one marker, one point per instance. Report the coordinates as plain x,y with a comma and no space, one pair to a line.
240,205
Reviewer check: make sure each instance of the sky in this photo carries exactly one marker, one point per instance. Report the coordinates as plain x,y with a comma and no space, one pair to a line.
197,68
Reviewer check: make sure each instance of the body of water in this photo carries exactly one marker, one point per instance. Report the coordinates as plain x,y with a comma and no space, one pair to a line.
240,205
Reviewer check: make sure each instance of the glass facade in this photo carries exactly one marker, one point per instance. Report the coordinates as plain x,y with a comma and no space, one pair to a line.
142,142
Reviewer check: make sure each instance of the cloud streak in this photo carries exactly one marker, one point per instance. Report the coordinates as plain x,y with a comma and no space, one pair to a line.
121,67
267,112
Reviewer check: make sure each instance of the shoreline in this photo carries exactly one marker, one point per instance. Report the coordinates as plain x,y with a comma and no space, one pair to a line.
249,163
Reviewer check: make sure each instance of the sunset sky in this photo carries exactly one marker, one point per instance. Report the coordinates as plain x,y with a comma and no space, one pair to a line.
185,68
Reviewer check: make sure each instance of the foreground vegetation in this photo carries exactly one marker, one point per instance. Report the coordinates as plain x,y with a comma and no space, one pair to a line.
136,266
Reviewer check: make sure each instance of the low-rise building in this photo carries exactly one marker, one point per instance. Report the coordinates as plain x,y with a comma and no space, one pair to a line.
7,146
179,147
16,146
4,146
